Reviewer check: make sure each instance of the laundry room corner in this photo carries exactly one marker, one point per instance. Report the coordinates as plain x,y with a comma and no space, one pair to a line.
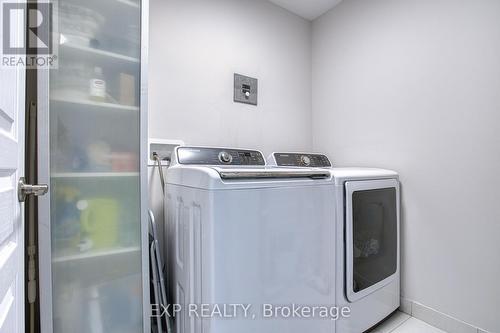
413,85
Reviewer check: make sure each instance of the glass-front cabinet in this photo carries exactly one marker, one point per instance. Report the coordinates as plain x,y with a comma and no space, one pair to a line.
372,235
92,118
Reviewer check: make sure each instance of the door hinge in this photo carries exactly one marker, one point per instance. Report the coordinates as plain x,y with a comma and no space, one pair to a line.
31,274
31,281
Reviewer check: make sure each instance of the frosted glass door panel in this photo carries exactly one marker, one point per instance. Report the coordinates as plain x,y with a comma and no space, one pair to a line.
94,168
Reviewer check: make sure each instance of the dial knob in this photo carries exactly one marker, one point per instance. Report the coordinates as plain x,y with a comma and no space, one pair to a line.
225,157
306,160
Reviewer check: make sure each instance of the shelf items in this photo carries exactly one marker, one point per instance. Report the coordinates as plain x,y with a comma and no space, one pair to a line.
96,234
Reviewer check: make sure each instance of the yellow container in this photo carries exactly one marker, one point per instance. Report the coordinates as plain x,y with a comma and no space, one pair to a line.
100,222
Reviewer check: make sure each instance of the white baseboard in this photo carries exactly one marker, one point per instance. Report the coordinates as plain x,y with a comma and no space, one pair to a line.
436,318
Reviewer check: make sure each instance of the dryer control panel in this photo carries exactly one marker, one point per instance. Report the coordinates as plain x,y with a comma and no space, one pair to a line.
219,156
302,160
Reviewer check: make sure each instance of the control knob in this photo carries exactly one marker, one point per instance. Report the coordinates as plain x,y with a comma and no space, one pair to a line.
225,157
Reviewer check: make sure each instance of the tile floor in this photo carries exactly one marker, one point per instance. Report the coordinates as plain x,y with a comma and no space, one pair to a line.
400,322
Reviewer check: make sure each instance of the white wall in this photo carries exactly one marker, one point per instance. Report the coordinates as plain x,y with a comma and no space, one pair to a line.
195,48
197,45
415,86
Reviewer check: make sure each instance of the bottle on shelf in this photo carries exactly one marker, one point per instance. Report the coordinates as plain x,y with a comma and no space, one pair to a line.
98,86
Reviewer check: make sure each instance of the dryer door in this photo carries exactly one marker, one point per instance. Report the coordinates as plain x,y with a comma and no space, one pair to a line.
372,236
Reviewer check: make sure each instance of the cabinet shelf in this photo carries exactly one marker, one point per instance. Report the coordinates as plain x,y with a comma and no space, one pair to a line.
107,7
79,51
88,103
129,3
68,175
95,255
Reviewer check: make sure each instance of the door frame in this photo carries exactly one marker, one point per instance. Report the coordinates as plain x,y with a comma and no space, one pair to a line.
12,245
350,189
144,151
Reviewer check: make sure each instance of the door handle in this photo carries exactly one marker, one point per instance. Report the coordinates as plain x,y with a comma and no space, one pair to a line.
24,190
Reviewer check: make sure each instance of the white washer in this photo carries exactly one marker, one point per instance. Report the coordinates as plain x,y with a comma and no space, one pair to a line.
367,237
241,233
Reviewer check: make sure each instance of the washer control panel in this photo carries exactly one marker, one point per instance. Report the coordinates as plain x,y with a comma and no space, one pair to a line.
219,156
302,160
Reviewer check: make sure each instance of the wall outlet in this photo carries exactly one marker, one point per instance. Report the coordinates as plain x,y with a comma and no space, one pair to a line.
245,89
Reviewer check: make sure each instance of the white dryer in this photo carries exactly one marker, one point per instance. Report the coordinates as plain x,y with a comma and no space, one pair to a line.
241,233
367,237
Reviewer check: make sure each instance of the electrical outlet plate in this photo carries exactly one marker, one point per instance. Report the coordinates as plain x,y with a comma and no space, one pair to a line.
164,148
245,89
